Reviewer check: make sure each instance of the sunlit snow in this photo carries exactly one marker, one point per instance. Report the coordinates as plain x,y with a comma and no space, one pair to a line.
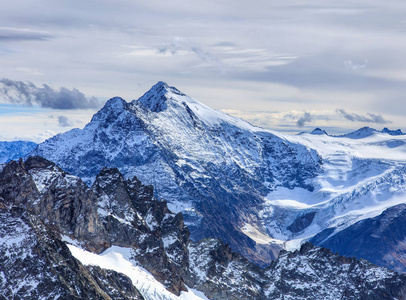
119,259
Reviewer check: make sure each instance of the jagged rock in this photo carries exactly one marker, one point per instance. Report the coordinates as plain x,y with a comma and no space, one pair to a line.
61,199
116,285
317,273
308,273
222,274
36,264
134,218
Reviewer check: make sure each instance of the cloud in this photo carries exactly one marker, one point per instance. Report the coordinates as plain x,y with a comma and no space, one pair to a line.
371,118
13,34
354,66
307,117
179,45
64,121
26,93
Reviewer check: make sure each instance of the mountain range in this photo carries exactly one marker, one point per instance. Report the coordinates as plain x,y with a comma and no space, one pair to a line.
258,190
175,187
60,239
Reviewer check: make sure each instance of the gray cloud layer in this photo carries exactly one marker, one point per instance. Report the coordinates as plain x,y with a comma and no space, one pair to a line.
10,34
372,118
307,117
26,93
64,121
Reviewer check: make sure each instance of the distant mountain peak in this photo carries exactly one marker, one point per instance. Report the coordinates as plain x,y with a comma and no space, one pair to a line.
392,132
318,131
360,133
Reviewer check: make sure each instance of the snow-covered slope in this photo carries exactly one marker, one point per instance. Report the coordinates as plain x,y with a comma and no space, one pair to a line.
361,178
119,260
15,150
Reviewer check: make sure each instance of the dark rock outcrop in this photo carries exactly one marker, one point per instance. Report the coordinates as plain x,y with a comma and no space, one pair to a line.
134,218
36,264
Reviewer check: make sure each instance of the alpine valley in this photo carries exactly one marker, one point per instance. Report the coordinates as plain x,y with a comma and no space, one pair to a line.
165,198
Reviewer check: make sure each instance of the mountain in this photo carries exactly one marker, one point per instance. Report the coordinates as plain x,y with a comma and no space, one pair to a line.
380,240
212,167
318,131
60,238
360,133
258,190
392,132
15,150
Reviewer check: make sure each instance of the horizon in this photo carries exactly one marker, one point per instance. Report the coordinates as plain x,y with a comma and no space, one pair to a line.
28,111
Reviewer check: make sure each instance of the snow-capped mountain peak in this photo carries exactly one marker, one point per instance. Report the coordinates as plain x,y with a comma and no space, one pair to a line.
361,133
318,131
392,132
213,167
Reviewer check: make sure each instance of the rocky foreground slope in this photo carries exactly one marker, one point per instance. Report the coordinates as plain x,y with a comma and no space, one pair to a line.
47,214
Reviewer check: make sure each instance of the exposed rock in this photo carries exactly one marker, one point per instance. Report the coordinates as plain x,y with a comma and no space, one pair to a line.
302,222
36,264
134,218
317,273
60,199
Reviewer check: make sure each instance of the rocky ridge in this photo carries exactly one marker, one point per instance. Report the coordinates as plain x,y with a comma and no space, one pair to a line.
124,213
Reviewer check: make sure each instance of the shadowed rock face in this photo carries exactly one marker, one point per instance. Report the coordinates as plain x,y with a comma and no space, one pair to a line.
54,195
134,218
381,240
116,212
36,264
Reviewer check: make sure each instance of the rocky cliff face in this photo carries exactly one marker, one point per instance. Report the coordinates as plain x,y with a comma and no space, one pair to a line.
35,262
134,218
63,200
308,273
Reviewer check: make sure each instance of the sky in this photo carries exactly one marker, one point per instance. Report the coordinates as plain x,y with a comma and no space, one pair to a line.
289,66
